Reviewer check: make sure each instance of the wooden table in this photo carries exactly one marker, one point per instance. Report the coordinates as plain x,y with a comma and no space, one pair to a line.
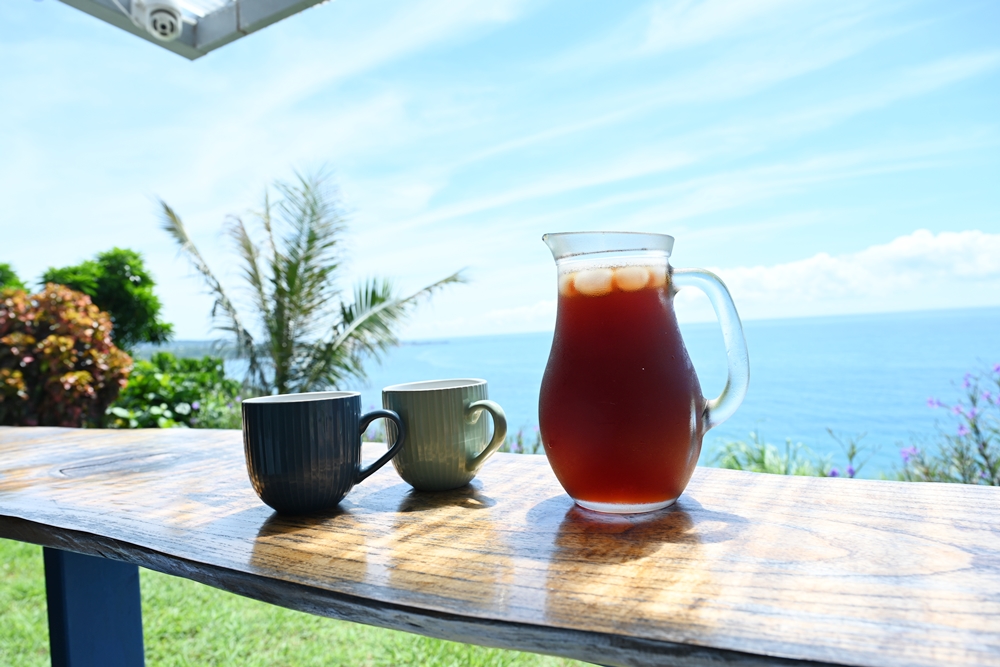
748,568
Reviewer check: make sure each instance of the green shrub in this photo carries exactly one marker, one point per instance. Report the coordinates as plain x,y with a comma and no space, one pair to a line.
516,443
759,456
58,366
117,281
9,278
167,392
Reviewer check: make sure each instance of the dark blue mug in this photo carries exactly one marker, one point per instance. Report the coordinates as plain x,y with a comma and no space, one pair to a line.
303,451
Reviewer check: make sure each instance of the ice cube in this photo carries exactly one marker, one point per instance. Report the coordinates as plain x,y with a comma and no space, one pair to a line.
631,278
658,276
566,284
593,282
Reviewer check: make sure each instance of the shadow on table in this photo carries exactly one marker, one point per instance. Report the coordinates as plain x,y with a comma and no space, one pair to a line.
404,498
595,537
643,561
470,497
322,545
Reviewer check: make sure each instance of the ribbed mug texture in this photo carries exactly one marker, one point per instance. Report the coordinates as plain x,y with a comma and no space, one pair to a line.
303,456
442,438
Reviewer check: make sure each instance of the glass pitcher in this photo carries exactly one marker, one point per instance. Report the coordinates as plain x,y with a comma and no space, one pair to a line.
621,412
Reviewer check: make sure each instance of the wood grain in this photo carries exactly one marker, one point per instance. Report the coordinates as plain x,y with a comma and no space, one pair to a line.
747,568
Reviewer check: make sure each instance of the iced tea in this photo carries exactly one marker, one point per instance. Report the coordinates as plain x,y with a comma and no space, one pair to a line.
621,411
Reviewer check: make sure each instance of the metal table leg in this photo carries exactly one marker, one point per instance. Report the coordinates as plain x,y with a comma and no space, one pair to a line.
95,612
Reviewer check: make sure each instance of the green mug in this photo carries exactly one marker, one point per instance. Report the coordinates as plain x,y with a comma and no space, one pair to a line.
446,433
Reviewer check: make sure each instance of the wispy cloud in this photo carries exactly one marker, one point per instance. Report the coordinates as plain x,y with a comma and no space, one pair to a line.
460,131
917,271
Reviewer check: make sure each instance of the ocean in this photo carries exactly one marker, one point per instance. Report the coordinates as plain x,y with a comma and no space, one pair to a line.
867,375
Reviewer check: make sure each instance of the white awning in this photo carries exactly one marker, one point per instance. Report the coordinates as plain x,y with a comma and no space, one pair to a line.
208,24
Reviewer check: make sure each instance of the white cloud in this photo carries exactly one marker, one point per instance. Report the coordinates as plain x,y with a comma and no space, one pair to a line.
918,271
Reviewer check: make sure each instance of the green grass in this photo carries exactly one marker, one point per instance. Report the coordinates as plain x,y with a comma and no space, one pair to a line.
186,623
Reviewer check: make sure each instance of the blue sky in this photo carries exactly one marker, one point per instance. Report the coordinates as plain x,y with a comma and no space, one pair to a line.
822,157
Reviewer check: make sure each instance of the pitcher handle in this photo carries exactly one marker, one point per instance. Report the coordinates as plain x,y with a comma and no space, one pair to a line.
722,407
472,414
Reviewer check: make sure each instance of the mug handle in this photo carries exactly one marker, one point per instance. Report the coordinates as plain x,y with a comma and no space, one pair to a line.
472,414
722,407
366,420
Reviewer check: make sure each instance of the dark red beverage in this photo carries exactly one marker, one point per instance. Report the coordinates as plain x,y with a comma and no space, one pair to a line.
621,411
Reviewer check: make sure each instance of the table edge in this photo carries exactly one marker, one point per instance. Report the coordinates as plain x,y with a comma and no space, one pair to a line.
607,649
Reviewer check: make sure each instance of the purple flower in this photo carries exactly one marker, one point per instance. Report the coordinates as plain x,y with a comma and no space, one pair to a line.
958,410
834,473
973,413
196,406
908,453
996,368
850,471
987,396
962,431
965,381
933,402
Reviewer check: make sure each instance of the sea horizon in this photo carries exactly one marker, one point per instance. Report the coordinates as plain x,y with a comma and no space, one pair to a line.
866,375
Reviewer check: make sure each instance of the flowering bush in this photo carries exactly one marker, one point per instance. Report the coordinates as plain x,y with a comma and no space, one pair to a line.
969,454
167,392
58,365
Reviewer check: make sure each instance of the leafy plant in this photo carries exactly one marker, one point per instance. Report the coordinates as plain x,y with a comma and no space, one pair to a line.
759,456
58,366
302,336
518,444
970,454
117,281
853,450
9,278
167,392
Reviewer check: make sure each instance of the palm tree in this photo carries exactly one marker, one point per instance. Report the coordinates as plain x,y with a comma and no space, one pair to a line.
310,338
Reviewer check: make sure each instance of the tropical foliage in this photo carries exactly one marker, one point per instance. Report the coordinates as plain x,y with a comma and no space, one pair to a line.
58,366
9,278
759,456
518,443
167,392
300,335
117,282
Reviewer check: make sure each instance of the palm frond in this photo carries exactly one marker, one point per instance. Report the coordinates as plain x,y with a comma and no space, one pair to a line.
251,264
309,338
366,330
230,318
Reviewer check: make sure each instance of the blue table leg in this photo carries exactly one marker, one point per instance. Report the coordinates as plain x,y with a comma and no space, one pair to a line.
95,612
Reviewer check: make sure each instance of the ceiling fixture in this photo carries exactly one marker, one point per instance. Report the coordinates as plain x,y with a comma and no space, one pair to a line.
191,28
